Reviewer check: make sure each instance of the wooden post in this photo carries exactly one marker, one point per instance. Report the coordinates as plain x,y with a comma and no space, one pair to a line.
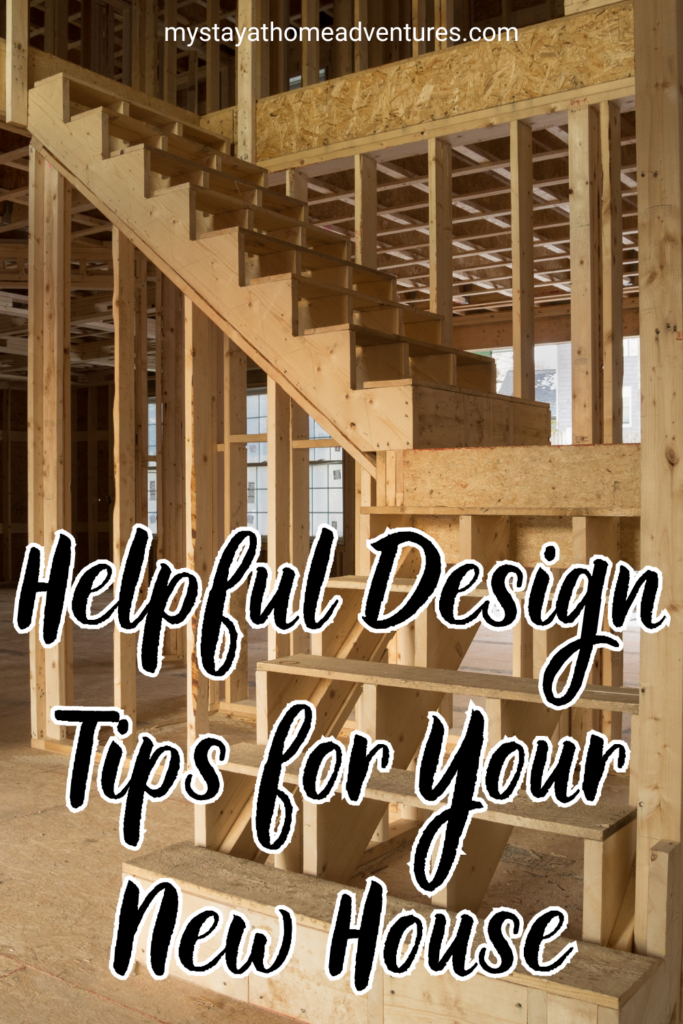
365,210
248,80
170,52
36,345
171,465
92,473
659,64
342,50
584,232
201,339
279,72
235,490
310,44
462,16
612,273
16,64
56,448
6,487
279,489
139,51
123,259
360,46
141,414
213,58
522,204
150,59
444,19
440,157
299,517
419,26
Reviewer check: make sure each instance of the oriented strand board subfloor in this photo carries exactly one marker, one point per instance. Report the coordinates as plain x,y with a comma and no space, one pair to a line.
60,873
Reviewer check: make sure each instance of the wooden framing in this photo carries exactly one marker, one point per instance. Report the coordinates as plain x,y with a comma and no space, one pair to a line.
612,276
584,228
16,67
522,195
201,341
125,455
659,43
246,273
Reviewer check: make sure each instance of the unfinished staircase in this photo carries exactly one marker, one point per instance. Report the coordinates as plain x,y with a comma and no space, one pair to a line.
375,373
380,377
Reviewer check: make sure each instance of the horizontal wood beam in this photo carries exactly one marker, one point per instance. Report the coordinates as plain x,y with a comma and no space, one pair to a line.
380,108
550,480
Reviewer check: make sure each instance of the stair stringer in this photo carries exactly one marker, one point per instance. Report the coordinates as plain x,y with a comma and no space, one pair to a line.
314,370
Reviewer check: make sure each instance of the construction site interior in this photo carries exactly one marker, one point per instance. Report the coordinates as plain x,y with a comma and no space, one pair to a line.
369,284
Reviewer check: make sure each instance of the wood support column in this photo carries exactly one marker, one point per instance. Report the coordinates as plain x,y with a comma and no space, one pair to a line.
440,157
522,197
170,52
170,428
16,64
279,490
299,517
213,58
235,491
463,17
584,233
612,273
249,75
342,51
49,412
365,210
310,46
124,419
360,46
36,530
444,11
201,340
419,26
279,68
659,71
141,414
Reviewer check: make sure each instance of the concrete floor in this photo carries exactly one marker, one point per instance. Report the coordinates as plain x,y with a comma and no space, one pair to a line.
60,873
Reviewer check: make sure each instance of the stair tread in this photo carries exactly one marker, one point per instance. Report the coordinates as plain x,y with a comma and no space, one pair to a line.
256,244
311,289
172,162
377,337
398,786
475,684
456,388
133,130
596,974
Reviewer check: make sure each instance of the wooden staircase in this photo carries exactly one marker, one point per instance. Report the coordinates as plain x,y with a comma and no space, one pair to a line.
375,373
381,377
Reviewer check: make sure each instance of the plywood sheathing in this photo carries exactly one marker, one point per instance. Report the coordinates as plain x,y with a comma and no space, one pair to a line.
553,57
602,479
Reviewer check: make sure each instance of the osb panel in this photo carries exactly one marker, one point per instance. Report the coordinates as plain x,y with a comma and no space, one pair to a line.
590,479
556,56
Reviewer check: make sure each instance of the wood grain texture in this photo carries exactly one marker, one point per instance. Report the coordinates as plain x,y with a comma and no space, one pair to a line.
599,976
596,47
414,677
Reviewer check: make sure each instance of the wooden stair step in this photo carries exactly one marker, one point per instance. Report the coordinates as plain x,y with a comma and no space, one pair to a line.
310,289
174,165
397,786
609,980
474,684
133,131
256,244
369,337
